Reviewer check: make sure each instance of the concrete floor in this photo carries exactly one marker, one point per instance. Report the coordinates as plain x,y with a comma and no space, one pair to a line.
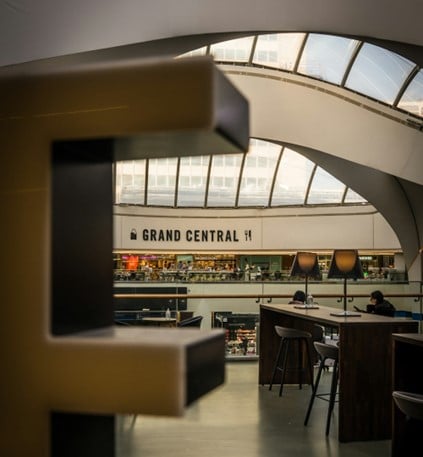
242,419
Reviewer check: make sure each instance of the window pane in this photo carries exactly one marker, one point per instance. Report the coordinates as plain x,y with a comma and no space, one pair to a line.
412,100
130,182
161,181
196,52
238,50
224,178
279,50
325,189
257,175
192,180
292,179
353,197
326,57
378,73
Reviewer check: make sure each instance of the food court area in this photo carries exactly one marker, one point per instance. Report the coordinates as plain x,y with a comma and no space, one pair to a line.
173,174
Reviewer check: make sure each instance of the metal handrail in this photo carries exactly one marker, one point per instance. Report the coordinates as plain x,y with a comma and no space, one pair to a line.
416,296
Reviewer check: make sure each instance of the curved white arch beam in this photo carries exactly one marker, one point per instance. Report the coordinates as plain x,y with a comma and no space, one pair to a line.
366,145
397,203
300,111
59,28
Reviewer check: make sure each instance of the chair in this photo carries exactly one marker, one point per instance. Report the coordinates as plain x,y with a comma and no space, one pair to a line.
410,404
403,313
317,334
194,321
326,352
302,339
408,432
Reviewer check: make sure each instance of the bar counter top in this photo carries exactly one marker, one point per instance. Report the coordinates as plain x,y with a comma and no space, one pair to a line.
365,362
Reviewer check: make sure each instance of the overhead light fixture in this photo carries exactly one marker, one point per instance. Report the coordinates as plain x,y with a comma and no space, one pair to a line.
345,264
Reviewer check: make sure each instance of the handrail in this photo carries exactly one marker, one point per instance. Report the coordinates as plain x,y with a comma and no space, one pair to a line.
416,296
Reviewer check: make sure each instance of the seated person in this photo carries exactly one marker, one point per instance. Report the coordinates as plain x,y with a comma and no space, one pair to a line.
298,298
378,305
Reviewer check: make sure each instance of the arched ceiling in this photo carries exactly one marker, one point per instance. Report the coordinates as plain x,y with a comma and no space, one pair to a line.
61,28
57,36
366,147
334,121
396,199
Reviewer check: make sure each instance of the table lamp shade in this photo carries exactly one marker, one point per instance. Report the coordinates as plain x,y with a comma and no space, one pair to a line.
305,263
345,263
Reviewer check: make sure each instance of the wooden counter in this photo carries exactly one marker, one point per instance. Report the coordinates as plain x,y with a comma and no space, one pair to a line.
365,386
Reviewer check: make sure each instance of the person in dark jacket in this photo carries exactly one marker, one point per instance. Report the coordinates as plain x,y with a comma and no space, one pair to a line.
378,305
299,297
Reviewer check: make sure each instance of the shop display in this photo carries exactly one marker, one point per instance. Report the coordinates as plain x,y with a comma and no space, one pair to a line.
241,333
214,267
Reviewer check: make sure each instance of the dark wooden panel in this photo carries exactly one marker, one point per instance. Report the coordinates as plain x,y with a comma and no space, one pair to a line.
365,380
205,366
156,304
82,435
82,230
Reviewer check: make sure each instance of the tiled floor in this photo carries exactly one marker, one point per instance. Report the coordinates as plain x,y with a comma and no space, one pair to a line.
242,419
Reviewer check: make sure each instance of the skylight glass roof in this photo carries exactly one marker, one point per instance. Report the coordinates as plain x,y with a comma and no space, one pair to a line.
352,64
279,50
411,100
326,57
269,175
378,73
292,179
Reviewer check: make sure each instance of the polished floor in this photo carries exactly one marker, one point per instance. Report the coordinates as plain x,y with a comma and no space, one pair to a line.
242,419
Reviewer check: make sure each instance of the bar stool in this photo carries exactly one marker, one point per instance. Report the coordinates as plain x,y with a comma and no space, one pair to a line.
411,404
301,338
326,352
408,434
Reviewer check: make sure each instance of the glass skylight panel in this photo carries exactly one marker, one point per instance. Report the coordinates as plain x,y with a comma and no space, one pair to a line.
292,179
130,182
378,73
238,50
161,181
258,172
325,189
192,180
224,176
326,57
412,99
353,197
196,52
278,50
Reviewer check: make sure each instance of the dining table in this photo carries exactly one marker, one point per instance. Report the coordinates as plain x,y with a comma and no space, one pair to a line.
365,362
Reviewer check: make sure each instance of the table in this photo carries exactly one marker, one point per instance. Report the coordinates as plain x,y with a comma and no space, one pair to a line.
159,321
365,385
407,377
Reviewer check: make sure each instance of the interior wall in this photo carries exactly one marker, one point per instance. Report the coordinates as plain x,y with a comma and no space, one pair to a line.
364,230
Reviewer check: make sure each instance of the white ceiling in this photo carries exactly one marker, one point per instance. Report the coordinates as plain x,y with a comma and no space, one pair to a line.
32,30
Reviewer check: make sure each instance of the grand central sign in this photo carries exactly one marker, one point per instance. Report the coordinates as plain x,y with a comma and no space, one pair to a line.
204,233
196,235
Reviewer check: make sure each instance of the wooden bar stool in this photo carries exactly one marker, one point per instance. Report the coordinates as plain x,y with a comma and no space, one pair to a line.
301,339
326,352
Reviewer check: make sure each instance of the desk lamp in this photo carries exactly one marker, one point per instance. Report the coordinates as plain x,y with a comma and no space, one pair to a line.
305,264
345,264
